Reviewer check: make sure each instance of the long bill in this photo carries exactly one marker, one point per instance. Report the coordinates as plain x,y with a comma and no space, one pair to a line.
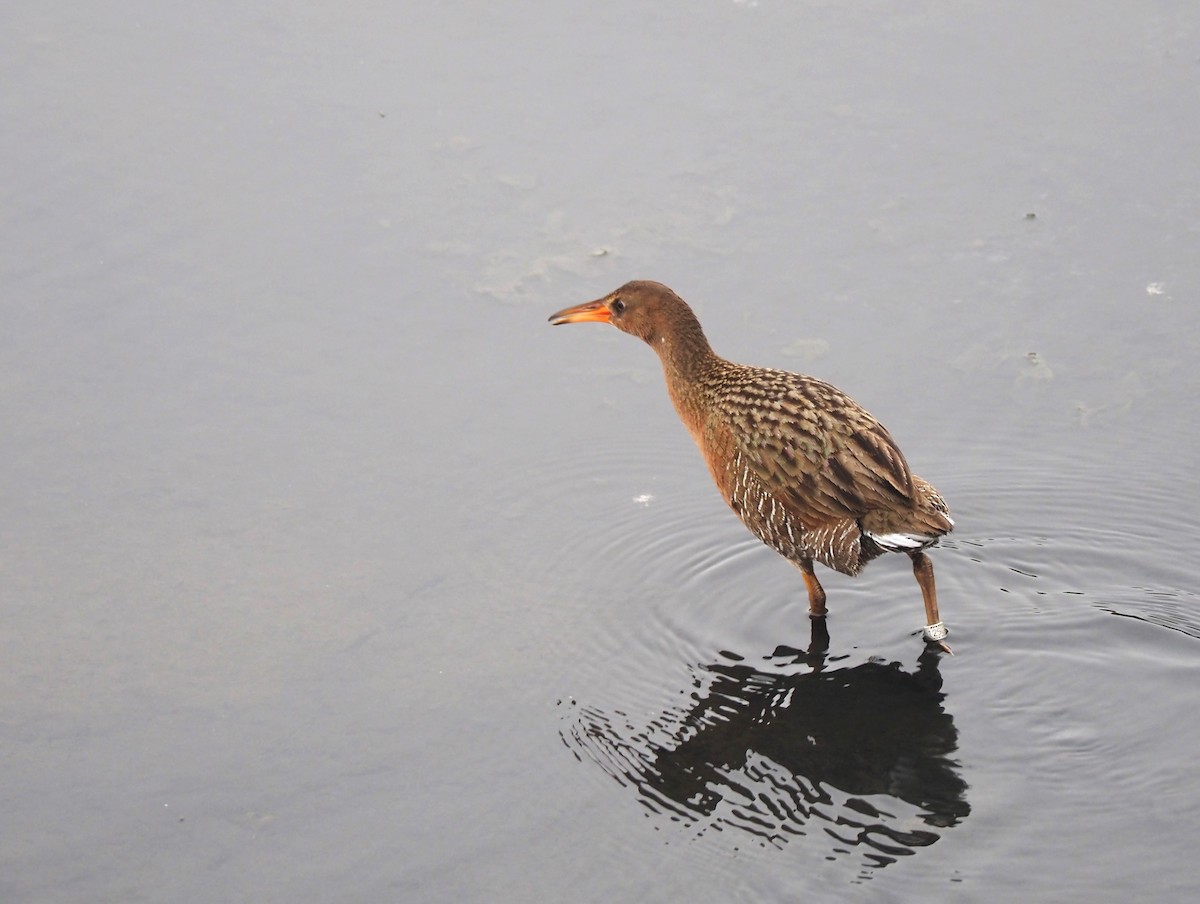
589,311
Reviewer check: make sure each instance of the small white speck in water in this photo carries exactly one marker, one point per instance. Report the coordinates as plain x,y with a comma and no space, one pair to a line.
644,499
1154,288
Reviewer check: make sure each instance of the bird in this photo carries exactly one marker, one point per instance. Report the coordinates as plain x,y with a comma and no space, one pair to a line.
810,472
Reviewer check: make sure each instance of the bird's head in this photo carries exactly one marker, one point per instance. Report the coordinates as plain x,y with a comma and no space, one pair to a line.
648,310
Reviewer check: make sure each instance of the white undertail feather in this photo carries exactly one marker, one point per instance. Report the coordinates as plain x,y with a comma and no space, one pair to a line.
899,542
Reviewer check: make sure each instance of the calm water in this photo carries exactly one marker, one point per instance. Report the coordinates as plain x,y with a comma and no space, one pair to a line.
329,571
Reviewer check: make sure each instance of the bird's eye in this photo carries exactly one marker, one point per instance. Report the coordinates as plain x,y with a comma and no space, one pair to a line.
618,306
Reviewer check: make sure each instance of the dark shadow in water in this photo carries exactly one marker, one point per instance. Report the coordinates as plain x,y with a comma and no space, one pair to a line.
862,755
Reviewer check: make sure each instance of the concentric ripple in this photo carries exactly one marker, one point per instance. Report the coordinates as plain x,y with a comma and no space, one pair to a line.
844,755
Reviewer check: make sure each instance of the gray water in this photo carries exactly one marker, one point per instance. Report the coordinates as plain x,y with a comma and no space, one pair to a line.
330,571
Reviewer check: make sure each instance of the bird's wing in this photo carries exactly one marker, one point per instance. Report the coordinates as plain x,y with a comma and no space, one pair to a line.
820,453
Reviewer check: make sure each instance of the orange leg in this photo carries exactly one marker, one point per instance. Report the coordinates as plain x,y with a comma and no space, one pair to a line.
816,593
923,570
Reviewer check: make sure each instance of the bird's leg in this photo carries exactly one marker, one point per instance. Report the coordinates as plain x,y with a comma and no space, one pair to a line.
934,631
816,593
923,570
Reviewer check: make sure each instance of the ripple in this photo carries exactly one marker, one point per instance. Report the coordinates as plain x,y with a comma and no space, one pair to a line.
1170,608
847,757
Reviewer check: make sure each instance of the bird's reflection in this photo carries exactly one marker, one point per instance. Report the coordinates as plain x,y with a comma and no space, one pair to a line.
859,756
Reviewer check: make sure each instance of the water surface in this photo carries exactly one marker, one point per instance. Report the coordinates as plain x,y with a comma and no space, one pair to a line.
328,570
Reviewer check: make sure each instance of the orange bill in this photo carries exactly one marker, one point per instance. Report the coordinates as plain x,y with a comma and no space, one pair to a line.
583,313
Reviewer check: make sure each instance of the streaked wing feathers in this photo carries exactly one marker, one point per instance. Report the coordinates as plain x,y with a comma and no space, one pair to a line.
817,450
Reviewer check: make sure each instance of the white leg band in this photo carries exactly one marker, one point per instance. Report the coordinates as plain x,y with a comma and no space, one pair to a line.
935,633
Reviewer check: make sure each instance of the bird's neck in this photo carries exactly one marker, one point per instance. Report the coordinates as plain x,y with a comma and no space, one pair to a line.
688,363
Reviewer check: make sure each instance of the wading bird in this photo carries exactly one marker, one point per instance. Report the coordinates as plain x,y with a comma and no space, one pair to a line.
809,471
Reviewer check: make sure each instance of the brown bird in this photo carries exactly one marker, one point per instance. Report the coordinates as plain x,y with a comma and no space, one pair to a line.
808,470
